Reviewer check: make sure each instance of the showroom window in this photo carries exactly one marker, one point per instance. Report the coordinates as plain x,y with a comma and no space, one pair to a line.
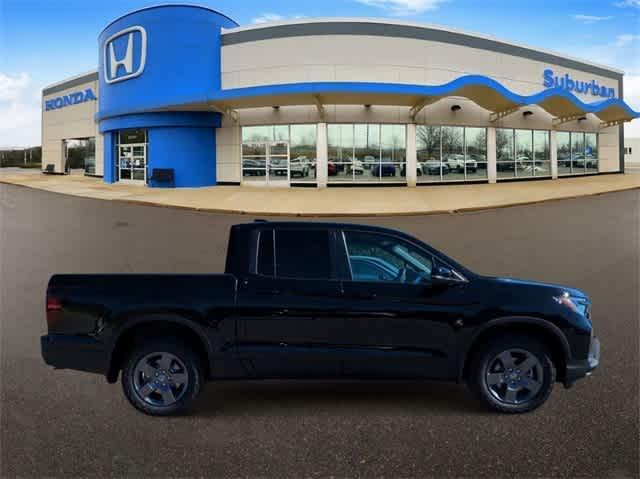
522,153
577,153
451,153
273,151
366,152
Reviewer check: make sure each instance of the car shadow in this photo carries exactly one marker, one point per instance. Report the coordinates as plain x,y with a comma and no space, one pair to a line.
271,397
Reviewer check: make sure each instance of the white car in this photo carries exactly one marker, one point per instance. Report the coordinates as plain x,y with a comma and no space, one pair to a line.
457,162
357,167
368,161
299,167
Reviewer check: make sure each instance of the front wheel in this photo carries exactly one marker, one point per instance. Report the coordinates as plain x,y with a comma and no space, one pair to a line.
512,374
162,377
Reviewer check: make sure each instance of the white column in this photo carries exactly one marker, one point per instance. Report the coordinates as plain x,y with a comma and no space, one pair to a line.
412,155
553,146
322,155
492,167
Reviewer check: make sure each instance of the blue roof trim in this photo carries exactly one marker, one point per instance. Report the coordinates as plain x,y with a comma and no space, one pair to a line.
447,89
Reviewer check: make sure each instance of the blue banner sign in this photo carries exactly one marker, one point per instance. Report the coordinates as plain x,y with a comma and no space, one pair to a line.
70,99
567,83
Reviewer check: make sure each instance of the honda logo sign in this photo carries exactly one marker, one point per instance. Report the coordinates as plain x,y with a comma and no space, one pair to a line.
125,54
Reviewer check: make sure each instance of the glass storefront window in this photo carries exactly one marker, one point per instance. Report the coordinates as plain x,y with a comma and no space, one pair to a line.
366,152
505,154
522,153
265,153
577,153
541,153
451,153
428,145
303,152
591,152
563,140
475,140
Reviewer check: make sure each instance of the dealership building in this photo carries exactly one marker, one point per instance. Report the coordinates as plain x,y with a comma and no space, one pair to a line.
185,97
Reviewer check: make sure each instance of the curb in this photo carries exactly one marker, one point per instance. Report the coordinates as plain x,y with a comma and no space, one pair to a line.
298,214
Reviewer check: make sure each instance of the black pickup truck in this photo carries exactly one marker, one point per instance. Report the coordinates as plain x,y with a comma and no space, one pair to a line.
321,300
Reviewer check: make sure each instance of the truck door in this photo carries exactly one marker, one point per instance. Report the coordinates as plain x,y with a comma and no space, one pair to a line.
397,323
287,326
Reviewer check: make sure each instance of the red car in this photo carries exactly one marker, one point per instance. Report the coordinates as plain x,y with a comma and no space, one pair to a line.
332,169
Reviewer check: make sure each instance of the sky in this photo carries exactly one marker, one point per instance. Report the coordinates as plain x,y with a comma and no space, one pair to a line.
45,41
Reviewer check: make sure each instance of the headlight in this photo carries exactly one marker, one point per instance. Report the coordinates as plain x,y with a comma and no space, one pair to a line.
577,304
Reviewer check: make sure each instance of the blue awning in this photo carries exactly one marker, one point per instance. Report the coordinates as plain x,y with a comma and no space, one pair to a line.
484,91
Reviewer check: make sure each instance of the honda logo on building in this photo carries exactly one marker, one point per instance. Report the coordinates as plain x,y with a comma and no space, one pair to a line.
125,54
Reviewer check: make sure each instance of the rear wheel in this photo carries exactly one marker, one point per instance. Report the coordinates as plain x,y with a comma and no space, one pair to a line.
162,377
512,374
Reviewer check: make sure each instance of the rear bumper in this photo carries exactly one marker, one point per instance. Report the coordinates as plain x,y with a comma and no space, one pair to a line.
579,369
81,353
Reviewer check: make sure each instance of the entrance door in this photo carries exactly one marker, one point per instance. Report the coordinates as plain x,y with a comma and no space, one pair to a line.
132,163
266,163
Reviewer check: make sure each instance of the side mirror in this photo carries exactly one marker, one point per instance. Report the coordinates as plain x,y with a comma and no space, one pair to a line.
444,275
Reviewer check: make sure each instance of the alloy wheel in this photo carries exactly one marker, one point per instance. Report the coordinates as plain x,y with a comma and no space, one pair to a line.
514,376
160,379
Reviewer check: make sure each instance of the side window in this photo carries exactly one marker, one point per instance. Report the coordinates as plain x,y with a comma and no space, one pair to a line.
266,258
377,257
303,254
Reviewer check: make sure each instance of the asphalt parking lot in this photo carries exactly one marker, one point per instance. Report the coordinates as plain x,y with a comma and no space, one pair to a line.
65,423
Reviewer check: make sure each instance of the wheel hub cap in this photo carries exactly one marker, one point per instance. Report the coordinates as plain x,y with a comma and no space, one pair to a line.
514,376
160,379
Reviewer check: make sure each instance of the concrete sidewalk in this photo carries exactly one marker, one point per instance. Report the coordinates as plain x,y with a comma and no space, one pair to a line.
379,201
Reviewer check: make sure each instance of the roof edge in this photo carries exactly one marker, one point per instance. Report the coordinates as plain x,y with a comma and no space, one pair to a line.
425,26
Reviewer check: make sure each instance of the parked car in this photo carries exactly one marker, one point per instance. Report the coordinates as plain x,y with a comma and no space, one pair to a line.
403,170
481,160
299,167
383,169
433,167
505,164
368,161
332,170
457,162
357,167
405,311
252,167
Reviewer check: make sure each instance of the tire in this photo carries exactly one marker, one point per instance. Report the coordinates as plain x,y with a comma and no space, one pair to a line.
185,366
532,387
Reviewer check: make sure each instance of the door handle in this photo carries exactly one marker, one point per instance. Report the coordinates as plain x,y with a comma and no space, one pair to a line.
271,292
283,312
365,295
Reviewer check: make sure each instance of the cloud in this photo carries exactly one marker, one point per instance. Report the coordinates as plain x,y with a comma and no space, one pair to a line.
628,3
626,39
589,19
403,7
273,17
19,110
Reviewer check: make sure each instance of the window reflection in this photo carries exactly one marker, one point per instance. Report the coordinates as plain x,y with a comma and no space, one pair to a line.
366,152
577,153
268,150
451,153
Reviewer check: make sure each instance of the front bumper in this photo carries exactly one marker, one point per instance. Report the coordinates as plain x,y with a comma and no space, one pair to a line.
581,368
82,353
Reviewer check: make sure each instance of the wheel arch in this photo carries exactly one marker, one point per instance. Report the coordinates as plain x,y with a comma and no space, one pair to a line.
548,333
163,325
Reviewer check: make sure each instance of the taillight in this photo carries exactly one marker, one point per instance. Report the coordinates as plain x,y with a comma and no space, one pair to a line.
54,305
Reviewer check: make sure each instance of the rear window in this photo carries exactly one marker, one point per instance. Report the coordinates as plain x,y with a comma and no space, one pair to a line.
303,254
265,253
